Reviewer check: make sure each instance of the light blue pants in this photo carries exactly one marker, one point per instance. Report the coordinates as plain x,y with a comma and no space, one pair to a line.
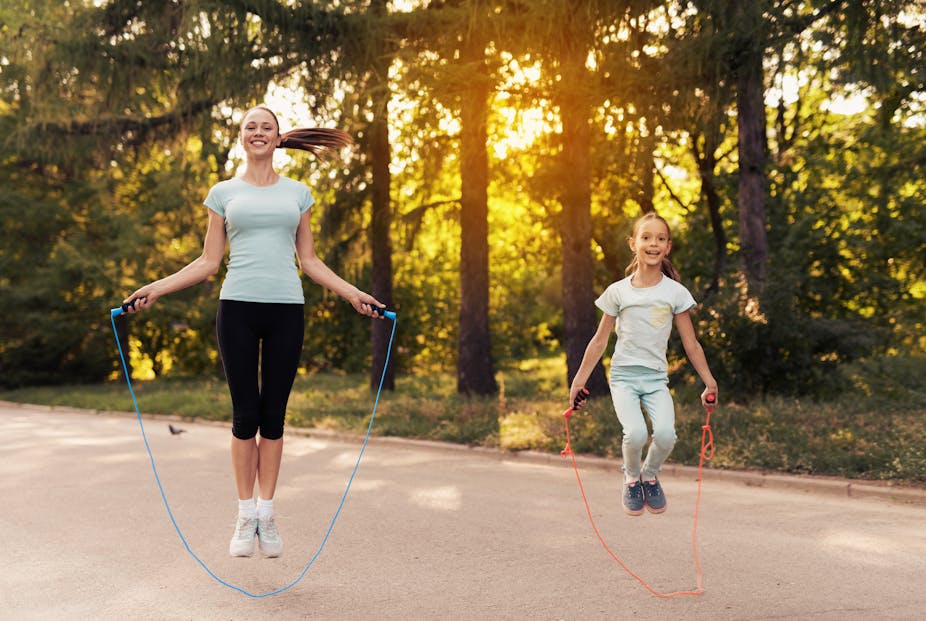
631,387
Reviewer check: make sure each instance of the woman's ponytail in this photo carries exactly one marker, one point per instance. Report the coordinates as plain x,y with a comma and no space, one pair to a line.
315,139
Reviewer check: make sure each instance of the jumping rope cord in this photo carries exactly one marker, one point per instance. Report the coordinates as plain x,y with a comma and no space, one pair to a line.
117,311
707,452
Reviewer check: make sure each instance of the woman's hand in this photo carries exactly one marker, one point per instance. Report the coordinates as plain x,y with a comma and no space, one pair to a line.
364,303
142,298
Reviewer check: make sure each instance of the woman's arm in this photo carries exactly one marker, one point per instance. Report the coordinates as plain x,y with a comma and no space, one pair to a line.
593,353
695,354
315,268
198,270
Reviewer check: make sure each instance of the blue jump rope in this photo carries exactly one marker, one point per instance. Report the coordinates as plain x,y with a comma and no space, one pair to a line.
389,315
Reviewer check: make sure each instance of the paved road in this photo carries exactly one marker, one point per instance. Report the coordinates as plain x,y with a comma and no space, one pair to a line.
426,533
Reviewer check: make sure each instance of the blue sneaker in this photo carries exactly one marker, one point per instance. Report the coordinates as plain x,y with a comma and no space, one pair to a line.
633,498
654,497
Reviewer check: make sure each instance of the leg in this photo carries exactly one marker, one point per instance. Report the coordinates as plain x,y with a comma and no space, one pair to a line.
627,405
244,464
661,411
239,346
281,353
282,349
269,457
244,457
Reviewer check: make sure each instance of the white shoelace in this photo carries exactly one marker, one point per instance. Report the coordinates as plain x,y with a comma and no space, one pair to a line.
245,528
268,530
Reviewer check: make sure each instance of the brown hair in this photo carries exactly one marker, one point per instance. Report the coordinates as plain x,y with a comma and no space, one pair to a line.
667,268
312,139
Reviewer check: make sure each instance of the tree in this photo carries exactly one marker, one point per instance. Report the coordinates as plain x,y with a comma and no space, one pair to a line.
475,374
375,51
575,105
749,54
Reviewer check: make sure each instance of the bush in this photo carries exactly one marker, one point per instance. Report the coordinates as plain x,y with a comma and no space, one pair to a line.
770,345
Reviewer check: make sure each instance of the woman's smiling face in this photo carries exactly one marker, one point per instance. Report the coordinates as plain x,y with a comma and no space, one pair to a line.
259,134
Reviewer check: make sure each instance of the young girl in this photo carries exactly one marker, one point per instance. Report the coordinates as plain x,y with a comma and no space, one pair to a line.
642,307
264,217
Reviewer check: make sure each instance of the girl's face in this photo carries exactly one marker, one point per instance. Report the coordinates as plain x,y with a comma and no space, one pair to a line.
259,134
651,243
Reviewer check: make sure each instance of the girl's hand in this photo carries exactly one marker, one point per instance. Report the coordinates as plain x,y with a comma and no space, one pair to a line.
578,395
708,391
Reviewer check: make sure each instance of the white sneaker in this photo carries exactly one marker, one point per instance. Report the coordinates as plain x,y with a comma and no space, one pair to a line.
242,542
269,537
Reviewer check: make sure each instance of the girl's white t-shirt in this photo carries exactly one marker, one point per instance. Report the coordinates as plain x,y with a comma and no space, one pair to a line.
261,224
644,320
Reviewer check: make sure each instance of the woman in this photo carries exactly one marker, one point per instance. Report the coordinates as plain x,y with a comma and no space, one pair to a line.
264,217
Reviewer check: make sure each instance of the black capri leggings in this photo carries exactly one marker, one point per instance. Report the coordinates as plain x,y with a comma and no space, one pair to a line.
268,334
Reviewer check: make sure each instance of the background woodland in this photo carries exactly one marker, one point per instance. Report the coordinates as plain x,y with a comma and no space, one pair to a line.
503,150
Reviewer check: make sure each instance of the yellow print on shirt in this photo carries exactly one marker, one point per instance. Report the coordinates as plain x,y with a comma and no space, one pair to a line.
659,315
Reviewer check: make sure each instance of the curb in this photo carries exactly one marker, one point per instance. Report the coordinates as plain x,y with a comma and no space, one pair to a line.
833,486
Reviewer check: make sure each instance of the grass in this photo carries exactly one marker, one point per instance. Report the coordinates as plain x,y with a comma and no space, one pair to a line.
875,430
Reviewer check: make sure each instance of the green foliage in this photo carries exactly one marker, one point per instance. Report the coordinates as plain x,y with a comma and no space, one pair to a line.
770,345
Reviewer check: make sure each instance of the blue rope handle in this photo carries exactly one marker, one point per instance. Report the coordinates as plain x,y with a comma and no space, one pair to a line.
389,314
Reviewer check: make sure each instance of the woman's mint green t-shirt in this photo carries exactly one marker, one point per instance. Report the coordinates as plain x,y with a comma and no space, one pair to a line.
261,223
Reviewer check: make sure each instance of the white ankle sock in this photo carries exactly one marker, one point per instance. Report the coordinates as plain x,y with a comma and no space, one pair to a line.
264,508
246,508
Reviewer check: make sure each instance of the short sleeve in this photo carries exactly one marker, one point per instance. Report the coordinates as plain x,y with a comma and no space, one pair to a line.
683,301
214,201
306,200
609,302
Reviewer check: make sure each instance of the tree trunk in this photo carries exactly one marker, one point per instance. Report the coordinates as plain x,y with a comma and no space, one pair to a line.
381,241
707,164
580,319
474,363
709,191
751,144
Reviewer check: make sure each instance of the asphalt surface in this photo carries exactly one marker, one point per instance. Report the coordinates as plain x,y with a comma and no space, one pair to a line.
427,532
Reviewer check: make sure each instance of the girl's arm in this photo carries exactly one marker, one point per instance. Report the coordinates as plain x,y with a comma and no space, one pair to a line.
198,270
695,354
315,268
593,353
